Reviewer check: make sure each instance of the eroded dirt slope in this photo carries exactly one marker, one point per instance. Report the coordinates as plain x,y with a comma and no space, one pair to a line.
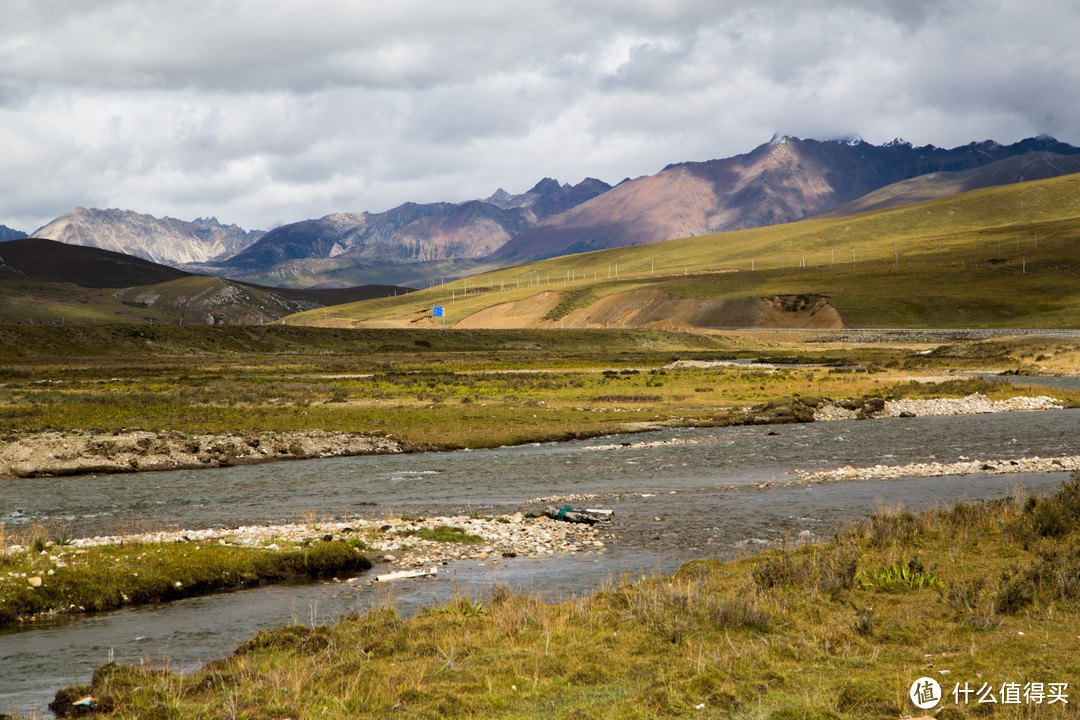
655,308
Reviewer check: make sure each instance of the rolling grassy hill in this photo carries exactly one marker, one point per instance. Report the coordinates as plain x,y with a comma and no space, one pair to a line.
997,257
44,281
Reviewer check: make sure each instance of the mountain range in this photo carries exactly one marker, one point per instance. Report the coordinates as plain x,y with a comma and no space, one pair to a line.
780,181
412,233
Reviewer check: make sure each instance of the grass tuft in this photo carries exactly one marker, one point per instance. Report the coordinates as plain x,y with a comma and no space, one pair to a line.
442,533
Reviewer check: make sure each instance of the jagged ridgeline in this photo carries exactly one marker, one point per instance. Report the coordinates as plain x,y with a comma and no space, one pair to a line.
419,244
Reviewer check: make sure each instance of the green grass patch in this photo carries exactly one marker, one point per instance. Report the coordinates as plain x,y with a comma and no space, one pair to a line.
442,533
570,300
49,578
900,574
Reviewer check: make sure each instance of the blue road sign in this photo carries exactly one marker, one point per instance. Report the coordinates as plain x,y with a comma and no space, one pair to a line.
437,311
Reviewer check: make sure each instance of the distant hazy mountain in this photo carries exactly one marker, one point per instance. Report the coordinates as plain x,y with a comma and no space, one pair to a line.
412,232
1020,168
7,233
162,240
784,180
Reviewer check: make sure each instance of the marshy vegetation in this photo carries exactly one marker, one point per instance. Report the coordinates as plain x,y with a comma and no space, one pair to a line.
435,389
43,571
979,593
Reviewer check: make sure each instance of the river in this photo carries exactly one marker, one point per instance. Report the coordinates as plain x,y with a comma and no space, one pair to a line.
719,492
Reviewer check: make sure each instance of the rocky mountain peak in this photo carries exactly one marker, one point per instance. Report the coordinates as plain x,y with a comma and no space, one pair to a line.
547,186
501,198
162,240
7,233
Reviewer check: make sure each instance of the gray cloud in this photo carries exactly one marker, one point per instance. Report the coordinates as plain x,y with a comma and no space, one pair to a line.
269,112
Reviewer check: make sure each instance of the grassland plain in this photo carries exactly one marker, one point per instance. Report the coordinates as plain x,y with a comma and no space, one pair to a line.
998,257
453,389
983,597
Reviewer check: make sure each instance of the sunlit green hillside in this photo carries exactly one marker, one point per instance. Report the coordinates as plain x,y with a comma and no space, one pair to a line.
999,257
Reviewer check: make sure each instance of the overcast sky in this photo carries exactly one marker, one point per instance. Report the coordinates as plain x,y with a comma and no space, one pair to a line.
263,112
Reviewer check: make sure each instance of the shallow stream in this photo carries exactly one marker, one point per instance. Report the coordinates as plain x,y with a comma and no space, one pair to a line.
718,493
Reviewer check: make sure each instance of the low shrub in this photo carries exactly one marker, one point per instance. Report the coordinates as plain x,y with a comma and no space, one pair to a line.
898,575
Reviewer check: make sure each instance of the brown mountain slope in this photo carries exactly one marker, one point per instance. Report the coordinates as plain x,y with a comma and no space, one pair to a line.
782,181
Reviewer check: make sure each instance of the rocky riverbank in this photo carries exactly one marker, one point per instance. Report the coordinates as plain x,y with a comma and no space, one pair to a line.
398,541
965,466
84,452
974,404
